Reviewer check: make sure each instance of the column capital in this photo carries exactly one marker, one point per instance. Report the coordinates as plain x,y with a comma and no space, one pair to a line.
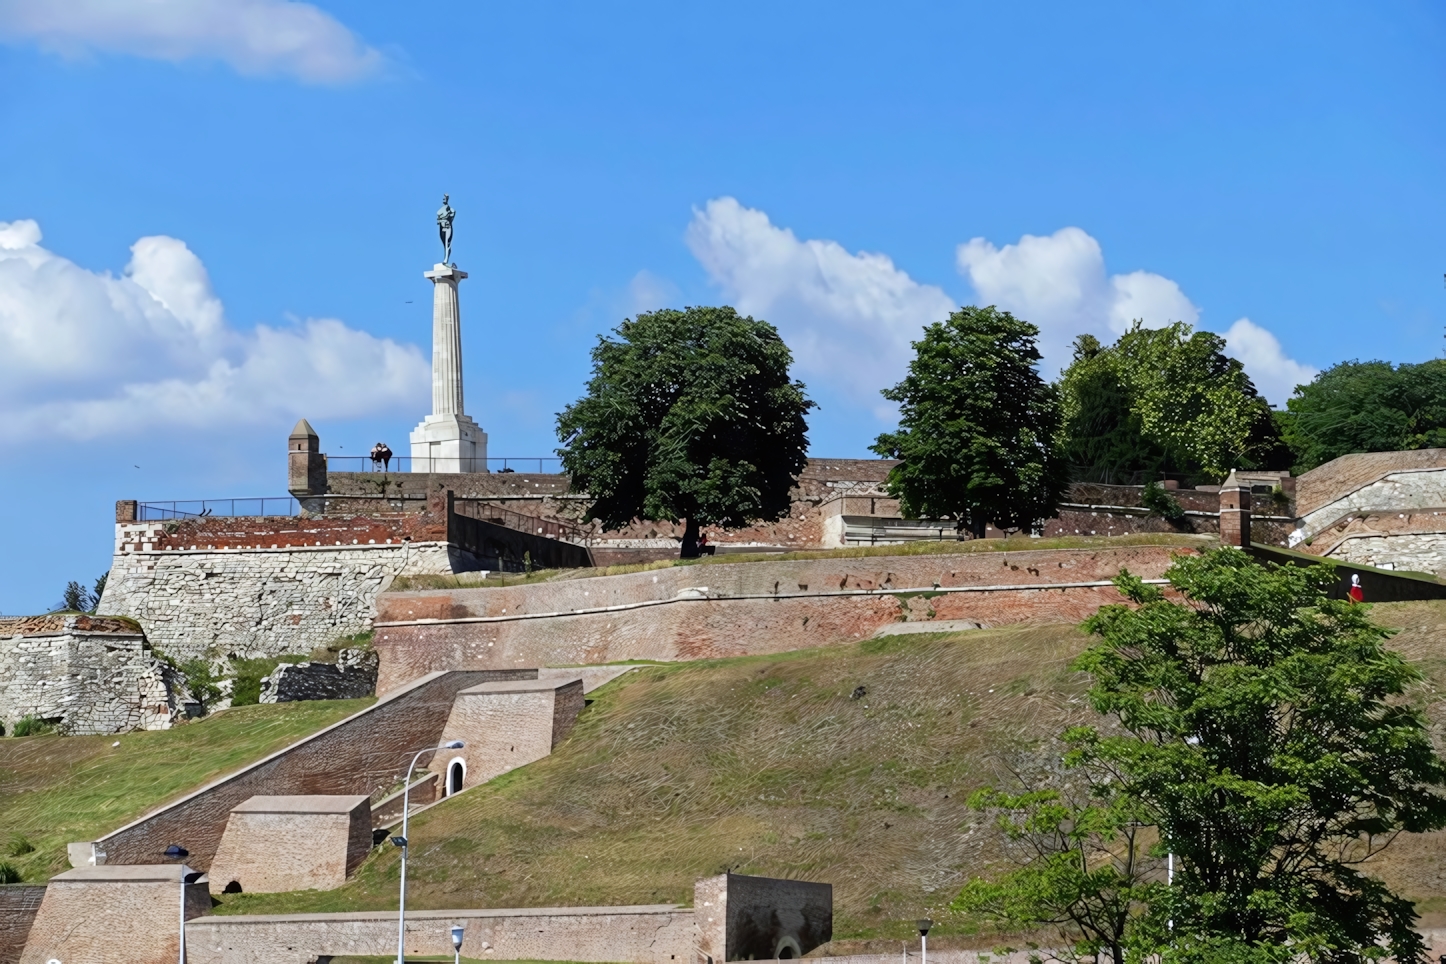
444,272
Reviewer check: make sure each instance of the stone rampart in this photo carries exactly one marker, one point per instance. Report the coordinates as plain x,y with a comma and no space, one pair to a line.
83,674
506,725
656,934
259,601
708,611
274,844
353,675
1398,491
366,753
1338,478
115,915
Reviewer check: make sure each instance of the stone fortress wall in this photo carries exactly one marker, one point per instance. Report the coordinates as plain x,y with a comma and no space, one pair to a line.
83,674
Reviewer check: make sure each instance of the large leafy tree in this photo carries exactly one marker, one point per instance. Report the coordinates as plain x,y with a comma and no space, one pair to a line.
976,426
689,415
1162,400
1263,728
1368,406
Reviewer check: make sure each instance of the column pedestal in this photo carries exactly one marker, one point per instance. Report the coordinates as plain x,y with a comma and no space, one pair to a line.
449,443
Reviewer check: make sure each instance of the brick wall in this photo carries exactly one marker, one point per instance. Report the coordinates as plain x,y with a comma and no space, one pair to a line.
115,915
699,612
274,844
659,934
741,918
364,754
18,904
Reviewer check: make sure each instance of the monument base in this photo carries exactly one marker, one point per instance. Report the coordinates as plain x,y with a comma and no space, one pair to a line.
449,443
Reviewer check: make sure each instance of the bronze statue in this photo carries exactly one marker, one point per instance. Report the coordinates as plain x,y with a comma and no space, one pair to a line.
444,228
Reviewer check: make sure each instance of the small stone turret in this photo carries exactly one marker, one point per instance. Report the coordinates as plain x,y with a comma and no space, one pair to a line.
305,465
1235,512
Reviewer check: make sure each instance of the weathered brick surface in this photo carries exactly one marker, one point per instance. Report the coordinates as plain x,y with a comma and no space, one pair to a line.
367,754
114,915
658,934
84,681
700,612
741,918
508,725
18,906
274,844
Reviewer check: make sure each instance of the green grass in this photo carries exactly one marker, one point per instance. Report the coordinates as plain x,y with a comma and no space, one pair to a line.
59,789
765,765
950,547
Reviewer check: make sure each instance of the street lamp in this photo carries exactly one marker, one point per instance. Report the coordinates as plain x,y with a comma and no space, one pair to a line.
402,842
457,943
924,924
177,852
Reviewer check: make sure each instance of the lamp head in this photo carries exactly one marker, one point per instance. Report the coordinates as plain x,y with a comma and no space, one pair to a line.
453,745
399,841
924,924
457,937
176,852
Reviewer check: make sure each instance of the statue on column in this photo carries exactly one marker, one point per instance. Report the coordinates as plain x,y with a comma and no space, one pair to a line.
444,228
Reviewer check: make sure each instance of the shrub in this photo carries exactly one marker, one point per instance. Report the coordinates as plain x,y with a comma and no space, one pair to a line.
32,726
1160,502
247,675
8,873
19,846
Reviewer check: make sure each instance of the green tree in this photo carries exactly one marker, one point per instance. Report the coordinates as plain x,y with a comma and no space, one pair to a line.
1264,729
1368,406
1086,867
976,426
1162,400
689,415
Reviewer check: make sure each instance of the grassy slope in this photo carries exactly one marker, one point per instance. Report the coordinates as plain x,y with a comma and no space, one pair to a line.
54,790
766,765
759,765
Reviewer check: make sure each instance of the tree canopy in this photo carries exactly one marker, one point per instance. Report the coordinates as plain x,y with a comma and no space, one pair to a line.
976,426
1263,731
1162,400
1371,406
689,415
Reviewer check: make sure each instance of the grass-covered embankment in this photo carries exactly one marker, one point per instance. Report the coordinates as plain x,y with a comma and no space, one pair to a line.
59,789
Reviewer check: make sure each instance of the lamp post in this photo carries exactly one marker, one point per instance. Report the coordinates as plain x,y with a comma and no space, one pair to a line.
177,852
924,924
402,842
457,943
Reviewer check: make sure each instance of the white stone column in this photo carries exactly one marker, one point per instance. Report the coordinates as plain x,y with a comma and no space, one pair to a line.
447,440
446,341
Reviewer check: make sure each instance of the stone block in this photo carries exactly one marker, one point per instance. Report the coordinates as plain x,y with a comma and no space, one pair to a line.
274,844
114,914
353,675
741,918
506,725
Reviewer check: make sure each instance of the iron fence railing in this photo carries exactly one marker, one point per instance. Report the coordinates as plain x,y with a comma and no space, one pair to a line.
200,508
407,463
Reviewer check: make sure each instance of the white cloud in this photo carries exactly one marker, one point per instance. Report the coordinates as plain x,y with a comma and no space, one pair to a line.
1059,283
1274,374
253,36
849,318
86,354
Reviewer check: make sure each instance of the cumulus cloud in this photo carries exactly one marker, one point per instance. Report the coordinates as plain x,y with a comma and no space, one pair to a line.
849,318
1059,283
86,354
1274,374
253,36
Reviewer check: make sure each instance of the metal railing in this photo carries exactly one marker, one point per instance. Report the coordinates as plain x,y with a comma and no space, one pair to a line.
201,508
406,463
496,514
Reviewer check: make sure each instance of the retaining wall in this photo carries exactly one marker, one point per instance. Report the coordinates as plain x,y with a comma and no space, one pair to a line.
657,934
113,915
708,611
18,905
366,753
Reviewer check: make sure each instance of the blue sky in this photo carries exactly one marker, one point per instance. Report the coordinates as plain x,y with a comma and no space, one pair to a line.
215,214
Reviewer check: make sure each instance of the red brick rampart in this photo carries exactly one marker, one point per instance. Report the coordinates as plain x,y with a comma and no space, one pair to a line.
701,612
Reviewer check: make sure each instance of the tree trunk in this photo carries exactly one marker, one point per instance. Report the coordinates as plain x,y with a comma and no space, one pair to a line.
977,525
690,540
